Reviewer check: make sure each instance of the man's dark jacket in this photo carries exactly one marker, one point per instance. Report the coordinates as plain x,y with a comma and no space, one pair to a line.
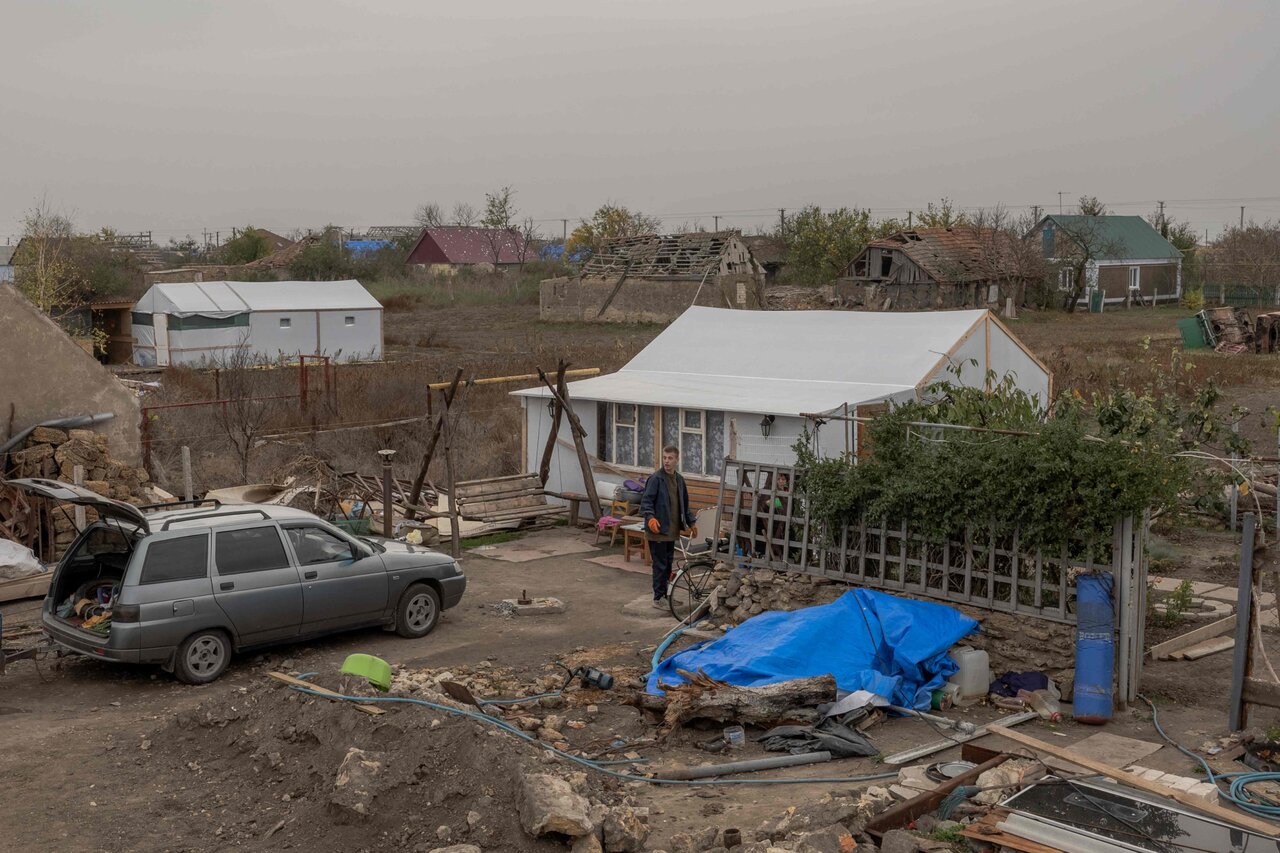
656,503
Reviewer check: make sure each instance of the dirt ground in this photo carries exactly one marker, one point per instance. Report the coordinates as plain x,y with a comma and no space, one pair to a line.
114,757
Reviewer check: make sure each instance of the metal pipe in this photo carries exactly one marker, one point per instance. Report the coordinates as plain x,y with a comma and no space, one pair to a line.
498,380
959,725
57,423
1238,716
749,766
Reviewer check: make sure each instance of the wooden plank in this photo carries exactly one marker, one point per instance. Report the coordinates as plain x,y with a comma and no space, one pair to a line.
1134,780
298,682
908,810
1259,692
986,829
1160,651
1208,647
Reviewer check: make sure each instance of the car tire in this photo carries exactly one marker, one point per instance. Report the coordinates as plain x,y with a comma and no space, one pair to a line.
418,611
202,657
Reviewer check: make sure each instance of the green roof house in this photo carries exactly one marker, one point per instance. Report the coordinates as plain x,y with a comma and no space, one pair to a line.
1122,256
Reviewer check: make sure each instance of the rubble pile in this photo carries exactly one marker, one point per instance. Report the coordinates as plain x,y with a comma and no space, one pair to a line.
55,453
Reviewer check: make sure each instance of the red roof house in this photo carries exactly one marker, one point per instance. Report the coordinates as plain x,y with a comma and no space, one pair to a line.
464,245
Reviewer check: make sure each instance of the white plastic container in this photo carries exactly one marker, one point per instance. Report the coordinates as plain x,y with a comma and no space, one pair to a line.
974,677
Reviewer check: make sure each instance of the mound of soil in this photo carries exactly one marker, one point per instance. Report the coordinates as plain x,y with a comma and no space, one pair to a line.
277,769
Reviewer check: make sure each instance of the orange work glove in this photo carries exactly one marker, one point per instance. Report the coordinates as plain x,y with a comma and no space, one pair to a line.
654,527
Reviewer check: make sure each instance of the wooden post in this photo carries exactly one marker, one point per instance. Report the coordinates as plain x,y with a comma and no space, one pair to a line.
544,469
415,495
1242,659
578,434
77,477
188,489
452,496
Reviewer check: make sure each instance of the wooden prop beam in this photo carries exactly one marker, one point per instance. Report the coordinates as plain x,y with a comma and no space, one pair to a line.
578,434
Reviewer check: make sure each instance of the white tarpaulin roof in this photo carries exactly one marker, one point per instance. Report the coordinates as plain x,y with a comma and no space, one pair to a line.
216,298
781,362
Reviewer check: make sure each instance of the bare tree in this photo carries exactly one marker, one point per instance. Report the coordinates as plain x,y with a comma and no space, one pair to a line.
1248,257
244,416
45,269
465,214
429,215
1078,243
528,234
1004,257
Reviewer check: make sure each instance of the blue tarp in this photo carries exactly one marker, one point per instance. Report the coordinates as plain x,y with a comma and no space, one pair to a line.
894,647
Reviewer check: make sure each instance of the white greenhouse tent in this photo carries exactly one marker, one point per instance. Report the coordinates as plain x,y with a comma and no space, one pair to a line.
720,382
202,322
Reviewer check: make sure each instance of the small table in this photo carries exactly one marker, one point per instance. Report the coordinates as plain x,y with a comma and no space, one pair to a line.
633,537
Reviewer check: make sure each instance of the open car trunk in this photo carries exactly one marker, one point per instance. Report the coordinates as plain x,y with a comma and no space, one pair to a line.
88,579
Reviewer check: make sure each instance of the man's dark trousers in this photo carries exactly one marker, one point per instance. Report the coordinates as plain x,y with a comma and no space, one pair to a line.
661,553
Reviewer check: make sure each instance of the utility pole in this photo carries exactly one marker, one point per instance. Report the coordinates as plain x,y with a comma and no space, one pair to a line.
1164,229
565,230
1035,212
1242,217
782,221
1060,195
717,219
909,215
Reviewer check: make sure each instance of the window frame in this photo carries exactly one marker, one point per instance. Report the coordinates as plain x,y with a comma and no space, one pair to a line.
348,319
1135,279
634,426
154,541
280,538
701,432
286,322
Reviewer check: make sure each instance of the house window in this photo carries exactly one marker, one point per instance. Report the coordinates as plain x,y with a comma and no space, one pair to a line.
693,441
348,321
886,264
1135,278
286,322
624,433
1066,279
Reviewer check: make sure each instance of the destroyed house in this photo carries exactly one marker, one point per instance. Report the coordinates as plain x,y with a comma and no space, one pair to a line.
746,384
195,323
653,278
1124,258
954,267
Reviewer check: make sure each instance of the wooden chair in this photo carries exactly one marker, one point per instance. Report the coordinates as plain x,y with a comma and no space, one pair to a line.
633,537
617,510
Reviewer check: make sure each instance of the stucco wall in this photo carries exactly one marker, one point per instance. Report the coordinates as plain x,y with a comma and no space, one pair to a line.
572,300
47,375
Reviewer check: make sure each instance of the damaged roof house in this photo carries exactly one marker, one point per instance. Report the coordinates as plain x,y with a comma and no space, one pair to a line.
957,267
1125,259
445,248
720,382
654,278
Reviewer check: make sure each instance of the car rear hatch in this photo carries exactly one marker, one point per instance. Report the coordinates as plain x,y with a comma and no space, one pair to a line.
80,496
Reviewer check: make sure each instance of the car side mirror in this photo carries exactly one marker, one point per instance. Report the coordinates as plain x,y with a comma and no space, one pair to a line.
357,553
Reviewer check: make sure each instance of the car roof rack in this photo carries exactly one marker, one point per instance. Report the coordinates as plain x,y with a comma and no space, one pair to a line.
194,502
203,515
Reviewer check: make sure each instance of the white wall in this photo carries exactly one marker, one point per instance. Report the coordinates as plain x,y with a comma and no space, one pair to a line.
351,342
1007,356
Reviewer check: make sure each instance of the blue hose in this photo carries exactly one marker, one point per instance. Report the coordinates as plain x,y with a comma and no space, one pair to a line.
1237,790
597,766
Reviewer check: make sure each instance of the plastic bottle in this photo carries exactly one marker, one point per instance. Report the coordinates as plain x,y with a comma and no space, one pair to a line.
1044,703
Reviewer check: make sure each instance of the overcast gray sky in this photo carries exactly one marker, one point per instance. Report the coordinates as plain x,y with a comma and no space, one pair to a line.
175,116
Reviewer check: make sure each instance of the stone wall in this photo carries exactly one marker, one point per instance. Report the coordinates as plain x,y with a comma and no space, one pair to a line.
55,453
579,300
1014,642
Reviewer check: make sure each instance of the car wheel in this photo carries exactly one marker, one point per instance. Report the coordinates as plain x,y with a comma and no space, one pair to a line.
202,657
418,611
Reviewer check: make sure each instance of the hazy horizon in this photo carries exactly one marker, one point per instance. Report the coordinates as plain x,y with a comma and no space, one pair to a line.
175,118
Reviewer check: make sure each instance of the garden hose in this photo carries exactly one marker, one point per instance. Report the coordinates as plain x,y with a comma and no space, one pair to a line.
1237,790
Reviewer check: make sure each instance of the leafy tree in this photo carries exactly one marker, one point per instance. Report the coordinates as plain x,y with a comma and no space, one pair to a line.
610,221
323,260
821,244
499,213
1077,245
1090,206
247,245
1247,256
941,215
429,215
45,269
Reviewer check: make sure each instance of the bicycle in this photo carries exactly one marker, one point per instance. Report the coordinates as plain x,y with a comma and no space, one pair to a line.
691,576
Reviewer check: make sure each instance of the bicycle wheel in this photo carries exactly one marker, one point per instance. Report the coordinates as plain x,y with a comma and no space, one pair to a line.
690,587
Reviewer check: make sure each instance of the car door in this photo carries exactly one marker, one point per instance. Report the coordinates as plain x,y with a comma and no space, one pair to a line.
338,588
255,583
171,586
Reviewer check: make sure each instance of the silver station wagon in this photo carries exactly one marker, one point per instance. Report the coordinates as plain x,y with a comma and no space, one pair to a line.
187,585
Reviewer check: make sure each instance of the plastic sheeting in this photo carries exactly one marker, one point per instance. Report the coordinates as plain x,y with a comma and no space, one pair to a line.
893,647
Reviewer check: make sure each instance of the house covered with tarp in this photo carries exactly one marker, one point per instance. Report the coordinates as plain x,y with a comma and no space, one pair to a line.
746,384
195,323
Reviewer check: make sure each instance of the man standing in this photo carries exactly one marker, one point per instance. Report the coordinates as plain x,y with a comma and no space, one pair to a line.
665,507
